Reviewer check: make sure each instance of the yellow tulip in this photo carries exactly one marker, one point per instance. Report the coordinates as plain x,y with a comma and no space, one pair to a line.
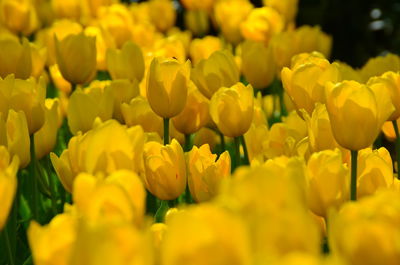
53,243
198,5
287,8
95,101
119,197
96,6
229,15
162,14
219,70
15,58
348,73
46,137
203,48
15,15
127,63
197,22
374,171
104,42
195,113
76,58
259,73
109,146
326,180
305,81
366,232
212,235
205,172
256,142
39,57
139,112
378,65
206,136
59,81
8,183
388,130
25,95
391,82
71,9
309,39
231,108
261,24
167,86
123,91
357,113
165,169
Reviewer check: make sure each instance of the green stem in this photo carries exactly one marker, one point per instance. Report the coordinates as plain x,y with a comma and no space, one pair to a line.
166,131
237,151
52,189
188,143
6,239
246,154
222,142
353,181
396,129
160,214
33,181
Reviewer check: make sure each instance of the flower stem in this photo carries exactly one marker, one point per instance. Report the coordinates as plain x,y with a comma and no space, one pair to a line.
396,129
246,154
353,181
166,131
237,151
7,242
33,187
222,142
188,144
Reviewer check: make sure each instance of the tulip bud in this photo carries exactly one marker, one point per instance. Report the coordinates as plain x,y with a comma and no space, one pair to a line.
8,183
195,113
232,109
162,14
16,15
256,142
197,22
261,24
327,177
259,73
203,48
217,71
287,8
379,65
206,172
76,58
167,86
165,169
357,113
127,63
15,58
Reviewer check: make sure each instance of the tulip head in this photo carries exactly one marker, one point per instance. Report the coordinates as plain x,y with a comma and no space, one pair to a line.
165,169
15,58
231,108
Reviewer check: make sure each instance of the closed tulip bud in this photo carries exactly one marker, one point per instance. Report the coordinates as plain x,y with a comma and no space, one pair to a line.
214,234
379,65
366,232
219,70
231,108
305,81
167,86
374,171
25,95
18,142
197,21
70,9
203,48
95,101
123,91
195,114
61,232
46,137
15,15
119,197
357,113
127,63
206,172
109,146
287,8
15,58
259,73
76,58
326,181
139,112
162,14
261,24
165,169
8,183
309,39
391,82
229,15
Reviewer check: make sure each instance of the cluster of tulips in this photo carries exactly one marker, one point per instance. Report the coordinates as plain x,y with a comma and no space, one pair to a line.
126,140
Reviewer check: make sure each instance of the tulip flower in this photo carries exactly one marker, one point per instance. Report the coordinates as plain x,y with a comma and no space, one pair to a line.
165,169
197,22
203,48
167,87
76,58
127,63
357,114
162,14
217,71
16,15
8,183
379,65
15,58
104,42
287,8
259,73
205,172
